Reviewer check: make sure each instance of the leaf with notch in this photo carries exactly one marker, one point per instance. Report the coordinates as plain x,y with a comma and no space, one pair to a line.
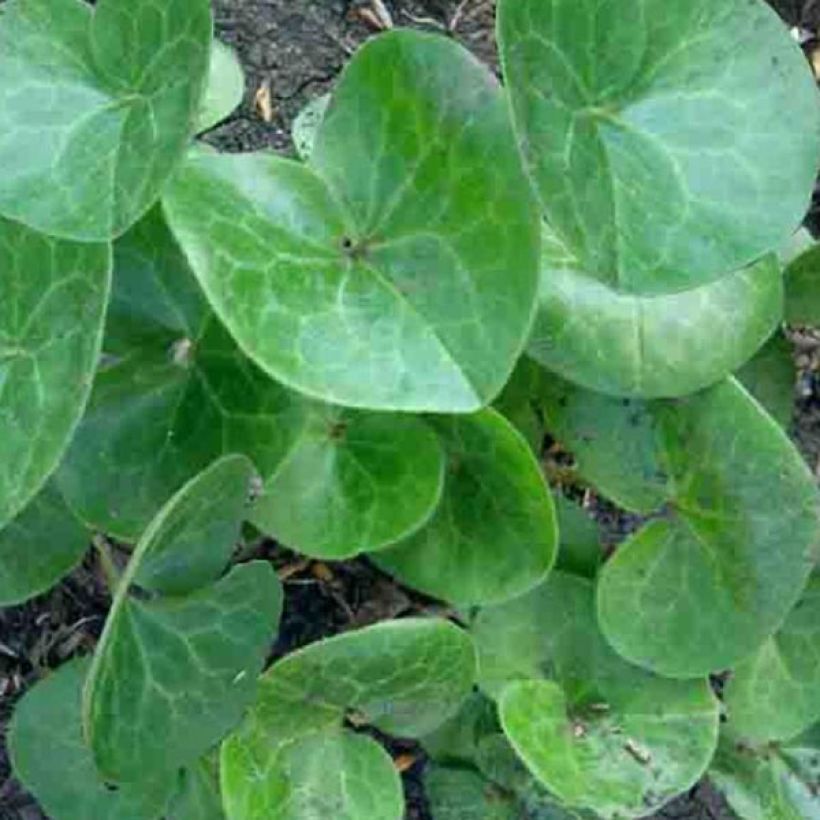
40,546
52,307
398,270
494,533
597,732
735,530
185,661
96,108
670,144
225,87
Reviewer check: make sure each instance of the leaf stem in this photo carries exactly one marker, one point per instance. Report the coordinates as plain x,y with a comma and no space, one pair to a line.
109,567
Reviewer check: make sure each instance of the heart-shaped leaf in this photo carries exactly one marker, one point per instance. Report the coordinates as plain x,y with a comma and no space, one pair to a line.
596,731
661,345
775,694
51,760
405,677
186,662
771,782
770,378
493,536
735,530
670,144
224,89
39,547
802,281
96,108
399,270
52,307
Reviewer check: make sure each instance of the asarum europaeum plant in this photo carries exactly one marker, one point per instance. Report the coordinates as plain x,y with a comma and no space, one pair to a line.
360,352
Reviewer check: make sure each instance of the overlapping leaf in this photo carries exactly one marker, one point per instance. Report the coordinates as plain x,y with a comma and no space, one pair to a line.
96,108
802,279
461,794
493,536
599,733
735,528
52,307
186,662
671,144
770,377
398,270
198,797
580,551
405,677
224,89
306,126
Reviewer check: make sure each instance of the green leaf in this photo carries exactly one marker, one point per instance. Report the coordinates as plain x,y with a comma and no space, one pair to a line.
735,528
51,760
96,108
775,694
461,794
455,742
773,782
770,378
580,552
596,731
670,145
352,481
40,546
517,403
185,662
333,774
306,126
660,345
52,307
802,282
494,534
398,271
225,87
198,797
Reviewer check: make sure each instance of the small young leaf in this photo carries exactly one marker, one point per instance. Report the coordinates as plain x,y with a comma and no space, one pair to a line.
51,760
39,547
52,307
306,126
462,794
662,345
770,378
98,106
580,551
187,663
596,731
772,782
670,144
225,87
494,534
775,694
399,270
703,585
802,282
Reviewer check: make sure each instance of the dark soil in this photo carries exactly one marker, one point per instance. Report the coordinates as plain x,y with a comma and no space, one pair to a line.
293,51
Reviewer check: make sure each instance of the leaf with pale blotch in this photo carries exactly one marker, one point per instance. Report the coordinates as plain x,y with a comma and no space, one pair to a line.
398,269
187,662
770,376
580,551
97,106
596,731
50,758
802,283
462,794
670,144
775,694
735,530
352,481
306,126
662,345
52,307
40,546
224,89
493,536
772,782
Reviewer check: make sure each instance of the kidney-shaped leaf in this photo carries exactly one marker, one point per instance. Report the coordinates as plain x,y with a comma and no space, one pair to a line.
493,536
224,89
662,345
670,144
775,694
52,307
186,663
39,547
735,533
596,731
96,108
398,271
51,760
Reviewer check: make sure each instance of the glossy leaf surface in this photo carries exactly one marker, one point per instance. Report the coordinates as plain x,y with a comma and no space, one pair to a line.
96,108
398,271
